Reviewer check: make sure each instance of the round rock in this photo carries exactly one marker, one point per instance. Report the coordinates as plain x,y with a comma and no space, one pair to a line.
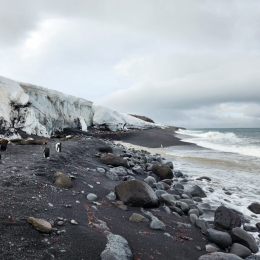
221,239
226,218
240,250
92,197
242,237
136,193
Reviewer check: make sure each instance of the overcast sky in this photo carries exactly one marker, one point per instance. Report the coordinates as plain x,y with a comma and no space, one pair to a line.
189,63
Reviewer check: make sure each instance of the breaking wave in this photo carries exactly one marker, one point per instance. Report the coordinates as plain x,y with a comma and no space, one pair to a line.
222,141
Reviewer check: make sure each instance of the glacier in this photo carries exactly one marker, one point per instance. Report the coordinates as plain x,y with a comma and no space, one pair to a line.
42,111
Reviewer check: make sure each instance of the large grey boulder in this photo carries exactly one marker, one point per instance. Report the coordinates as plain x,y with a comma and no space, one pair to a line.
242,237
136,193
117,248
221,239
254,207
111,159
220,256
197,191
226,218
162,171
240,250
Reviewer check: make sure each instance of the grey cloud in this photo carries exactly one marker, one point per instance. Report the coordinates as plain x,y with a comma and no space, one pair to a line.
186,60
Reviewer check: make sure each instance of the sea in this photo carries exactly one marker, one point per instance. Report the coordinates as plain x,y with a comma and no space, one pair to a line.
230,157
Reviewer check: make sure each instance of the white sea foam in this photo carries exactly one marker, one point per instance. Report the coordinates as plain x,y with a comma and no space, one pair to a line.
225,142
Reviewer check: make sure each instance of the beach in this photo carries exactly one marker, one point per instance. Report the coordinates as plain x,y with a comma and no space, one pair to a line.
28,189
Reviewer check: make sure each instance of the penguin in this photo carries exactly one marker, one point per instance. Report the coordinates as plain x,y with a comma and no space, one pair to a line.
58,147
46,153
4,145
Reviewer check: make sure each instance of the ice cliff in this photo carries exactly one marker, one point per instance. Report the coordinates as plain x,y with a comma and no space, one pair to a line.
42,111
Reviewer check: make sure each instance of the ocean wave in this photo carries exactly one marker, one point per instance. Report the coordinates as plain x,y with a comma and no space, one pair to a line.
225,142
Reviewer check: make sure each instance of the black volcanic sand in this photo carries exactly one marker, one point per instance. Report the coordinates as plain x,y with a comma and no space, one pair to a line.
27,187
151,138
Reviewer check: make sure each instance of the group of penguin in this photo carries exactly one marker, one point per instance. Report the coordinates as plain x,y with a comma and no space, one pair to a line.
46,152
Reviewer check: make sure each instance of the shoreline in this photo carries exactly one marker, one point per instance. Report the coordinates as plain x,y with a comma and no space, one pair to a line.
150,138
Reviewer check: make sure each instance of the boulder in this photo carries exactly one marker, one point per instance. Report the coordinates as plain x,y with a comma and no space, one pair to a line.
211,248
63,180
40,224
117,248
169,164
92,197
226,218
203,178
250,228
165,185
242,237
240,250
221,239
254,207
193,218
178,174
150,181
158,186
168,199
112,176
139,170
157,224
220,256
105,149
176,210
162,171
179,186
120,171
111,159
160,192
138,218
136,193
183,206
202,224
193,211
197,191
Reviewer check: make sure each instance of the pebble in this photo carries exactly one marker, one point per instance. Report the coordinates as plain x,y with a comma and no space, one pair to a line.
40,224
73,222
157,224
92,197
60,223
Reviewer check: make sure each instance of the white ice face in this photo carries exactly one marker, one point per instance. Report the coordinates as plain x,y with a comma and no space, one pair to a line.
40,111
